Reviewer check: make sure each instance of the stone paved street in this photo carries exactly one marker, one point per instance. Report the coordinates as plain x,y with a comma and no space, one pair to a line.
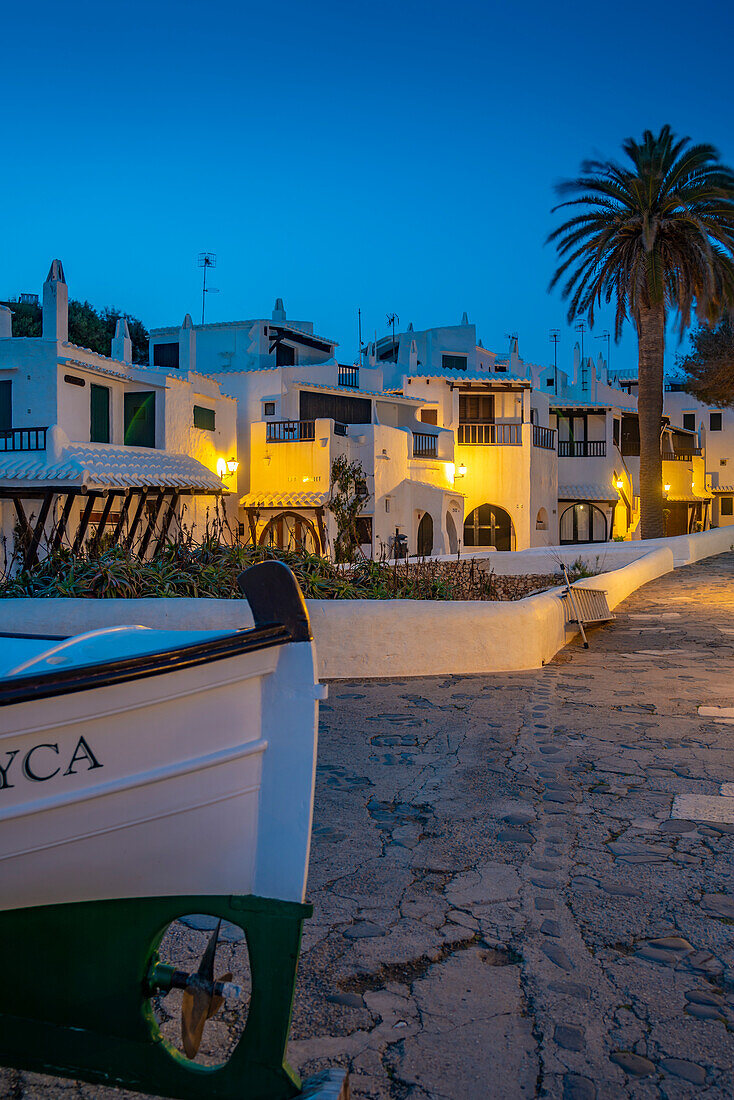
504,906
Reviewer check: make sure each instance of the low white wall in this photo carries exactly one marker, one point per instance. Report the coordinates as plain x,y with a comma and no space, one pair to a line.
368,639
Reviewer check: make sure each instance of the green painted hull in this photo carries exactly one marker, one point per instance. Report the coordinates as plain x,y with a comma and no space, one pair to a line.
77,981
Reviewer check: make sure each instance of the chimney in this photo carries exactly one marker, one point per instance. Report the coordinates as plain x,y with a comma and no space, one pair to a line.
6,322
279,311
187,345
122,345
56,304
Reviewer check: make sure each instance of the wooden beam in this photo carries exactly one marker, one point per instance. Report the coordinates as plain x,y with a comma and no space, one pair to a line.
32,555
25,527
136,520
252,521
83,524
322,529
151,524
60,531
168,516
102,523
123,516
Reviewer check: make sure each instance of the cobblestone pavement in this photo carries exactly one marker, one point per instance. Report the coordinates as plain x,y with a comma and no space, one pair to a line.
504,905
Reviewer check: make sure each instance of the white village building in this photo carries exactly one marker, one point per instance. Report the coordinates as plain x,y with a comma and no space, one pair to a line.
94,447
298,410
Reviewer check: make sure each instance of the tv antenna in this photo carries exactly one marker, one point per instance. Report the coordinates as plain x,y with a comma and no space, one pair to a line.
581,327
555,336
393,320
512,337
605,336
206,260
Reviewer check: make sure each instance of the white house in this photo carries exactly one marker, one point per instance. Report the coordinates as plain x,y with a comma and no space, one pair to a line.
505,454
92,446
298,409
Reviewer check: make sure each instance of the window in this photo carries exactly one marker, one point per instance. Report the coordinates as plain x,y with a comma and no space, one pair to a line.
140,419
715,422
165,355
722,462
727,506
453,362
364,530
269,408
429,416
204,418
689,421
549,381
285,355
99,414
615,432
476,408
6,405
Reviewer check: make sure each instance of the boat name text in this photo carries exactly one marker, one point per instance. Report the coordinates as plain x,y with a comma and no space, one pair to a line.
38,763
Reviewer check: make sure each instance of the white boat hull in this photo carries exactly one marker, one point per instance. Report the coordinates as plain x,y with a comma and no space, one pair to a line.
197,780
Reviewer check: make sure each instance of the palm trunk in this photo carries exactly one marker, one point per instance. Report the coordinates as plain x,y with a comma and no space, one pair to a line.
651,336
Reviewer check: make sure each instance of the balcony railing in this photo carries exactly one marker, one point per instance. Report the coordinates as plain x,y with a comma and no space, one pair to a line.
425,445
582,448
490,435
682,456
290,431
348,376
544,437
23,439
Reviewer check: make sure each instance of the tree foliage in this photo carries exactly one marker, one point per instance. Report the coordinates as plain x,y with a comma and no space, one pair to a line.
346,502
88,327
709,365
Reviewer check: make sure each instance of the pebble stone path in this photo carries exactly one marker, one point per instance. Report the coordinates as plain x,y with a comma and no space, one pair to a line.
505,906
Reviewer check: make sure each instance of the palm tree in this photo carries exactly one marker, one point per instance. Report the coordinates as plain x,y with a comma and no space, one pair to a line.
656,236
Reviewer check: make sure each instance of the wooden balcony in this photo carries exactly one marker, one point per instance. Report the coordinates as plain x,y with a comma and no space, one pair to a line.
23,439
290,431
490,435
545,438
425,445
582,448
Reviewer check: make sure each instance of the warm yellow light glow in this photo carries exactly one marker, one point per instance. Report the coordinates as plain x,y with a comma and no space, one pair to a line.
666,487
461,471
619,483
226,467
305,479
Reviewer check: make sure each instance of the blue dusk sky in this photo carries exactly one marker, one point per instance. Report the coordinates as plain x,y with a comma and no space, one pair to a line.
394,156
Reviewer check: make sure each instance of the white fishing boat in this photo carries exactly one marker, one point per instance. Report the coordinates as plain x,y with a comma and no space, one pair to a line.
138,762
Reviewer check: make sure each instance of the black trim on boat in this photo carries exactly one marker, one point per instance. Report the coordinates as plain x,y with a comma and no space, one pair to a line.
34,637
274,596
24,689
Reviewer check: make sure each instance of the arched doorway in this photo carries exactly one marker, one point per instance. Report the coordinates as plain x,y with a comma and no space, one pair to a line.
583,522
541,520
291,531
425,535
489,525
451,534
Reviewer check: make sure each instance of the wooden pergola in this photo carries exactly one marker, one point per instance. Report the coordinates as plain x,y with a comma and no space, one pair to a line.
135,518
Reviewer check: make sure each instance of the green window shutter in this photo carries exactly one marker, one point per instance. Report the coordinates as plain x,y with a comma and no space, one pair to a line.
204,418
99,407
140,419
6,405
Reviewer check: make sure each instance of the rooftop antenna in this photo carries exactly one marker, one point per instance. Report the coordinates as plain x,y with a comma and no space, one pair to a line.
512,337
555,336
605,336
206,260
581,327
393,319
